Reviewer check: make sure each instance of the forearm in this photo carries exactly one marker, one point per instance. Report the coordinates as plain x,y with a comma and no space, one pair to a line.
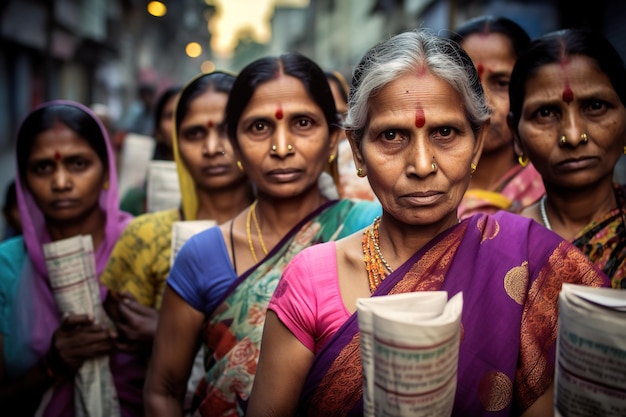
164,404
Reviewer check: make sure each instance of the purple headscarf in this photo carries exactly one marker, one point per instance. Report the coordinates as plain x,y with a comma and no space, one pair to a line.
36,316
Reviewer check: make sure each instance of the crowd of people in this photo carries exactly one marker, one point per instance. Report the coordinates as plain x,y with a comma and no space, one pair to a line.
480,163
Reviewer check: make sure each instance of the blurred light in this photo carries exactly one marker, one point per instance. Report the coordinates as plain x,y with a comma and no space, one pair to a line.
156,8
193,49
207,67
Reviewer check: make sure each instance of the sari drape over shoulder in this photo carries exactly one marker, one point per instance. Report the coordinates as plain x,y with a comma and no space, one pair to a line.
510,270
232,334
604,241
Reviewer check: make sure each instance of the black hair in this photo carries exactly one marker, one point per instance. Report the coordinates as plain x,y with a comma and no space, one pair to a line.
493,24
161,102
269,68
552,48
217,81
338,79
45,118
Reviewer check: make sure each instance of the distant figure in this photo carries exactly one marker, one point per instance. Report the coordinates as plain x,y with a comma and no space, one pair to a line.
499,180
138,117
13,222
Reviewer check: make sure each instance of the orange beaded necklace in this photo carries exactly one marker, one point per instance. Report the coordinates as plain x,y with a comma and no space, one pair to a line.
375,263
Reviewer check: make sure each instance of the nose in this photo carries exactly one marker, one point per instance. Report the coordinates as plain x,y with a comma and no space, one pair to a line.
281,145
61,180
213,144
422,161
572,134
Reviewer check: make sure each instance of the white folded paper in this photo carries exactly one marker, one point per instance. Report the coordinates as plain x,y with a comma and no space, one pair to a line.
134,158
183,230
409,351
163,188
590,374
72,272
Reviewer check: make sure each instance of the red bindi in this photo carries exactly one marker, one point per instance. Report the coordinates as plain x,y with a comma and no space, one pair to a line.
568,94
480,69
210,124
57,156
279,113
420,118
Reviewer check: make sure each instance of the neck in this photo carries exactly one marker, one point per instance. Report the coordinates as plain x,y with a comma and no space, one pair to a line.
492,167
222,205
92,224
569,211
278,216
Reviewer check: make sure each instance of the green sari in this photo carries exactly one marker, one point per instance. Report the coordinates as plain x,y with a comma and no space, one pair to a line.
232,333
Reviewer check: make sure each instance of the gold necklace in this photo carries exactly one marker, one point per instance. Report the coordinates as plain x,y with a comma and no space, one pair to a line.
252,216
375,264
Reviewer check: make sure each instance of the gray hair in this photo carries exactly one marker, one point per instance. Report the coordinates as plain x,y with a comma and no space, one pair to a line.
407,53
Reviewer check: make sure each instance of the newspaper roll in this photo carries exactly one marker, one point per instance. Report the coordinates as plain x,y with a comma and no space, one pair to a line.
183,230
163,188
71,268
409,351
590,374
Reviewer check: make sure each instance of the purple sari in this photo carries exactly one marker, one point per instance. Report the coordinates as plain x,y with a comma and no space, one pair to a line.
35,317
509,320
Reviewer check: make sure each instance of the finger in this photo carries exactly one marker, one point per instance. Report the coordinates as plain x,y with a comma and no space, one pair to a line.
128,295
130,308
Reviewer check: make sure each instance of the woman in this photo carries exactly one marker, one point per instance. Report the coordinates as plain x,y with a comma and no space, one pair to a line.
417,120
282,121
342,167
499,182
66,186
568,114
213,189
134,201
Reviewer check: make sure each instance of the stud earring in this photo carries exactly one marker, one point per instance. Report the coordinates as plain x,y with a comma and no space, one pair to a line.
331,159
584,138
240,166
473,168
563,140
360,173
523,160
624,150
105,186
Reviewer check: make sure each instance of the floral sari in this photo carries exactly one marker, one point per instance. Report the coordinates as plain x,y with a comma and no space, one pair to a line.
604,242
509,320
232,334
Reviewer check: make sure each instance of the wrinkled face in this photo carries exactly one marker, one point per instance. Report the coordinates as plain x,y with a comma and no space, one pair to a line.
64,175
494,58
415,121
284,138
166,122
571,98
204,146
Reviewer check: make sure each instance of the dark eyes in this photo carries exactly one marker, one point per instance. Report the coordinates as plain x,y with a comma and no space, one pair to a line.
74,164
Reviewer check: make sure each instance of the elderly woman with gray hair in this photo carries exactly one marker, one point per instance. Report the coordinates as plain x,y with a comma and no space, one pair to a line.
416,122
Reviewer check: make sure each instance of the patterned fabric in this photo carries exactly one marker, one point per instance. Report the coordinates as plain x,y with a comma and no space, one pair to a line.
520,187
604,241
140,261
232,335
509,320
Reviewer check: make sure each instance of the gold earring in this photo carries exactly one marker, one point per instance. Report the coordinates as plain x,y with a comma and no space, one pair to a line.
584,138
563,140
105,186
331,158
240,166
523,160
624,150
360,173
472,168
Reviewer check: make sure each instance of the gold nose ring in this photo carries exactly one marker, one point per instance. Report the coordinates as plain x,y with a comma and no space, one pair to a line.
584,138
289,148
274,148
434,165
563,140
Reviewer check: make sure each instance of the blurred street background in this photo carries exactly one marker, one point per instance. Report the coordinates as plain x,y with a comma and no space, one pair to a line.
100,52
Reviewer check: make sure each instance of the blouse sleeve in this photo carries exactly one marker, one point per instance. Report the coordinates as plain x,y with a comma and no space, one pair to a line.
202,271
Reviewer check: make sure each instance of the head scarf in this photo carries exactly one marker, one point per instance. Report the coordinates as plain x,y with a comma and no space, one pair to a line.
35,316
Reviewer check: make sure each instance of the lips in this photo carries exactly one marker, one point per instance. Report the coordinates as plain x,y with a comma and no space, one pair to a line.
215,169
577,164
64,204
285,174
423,198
